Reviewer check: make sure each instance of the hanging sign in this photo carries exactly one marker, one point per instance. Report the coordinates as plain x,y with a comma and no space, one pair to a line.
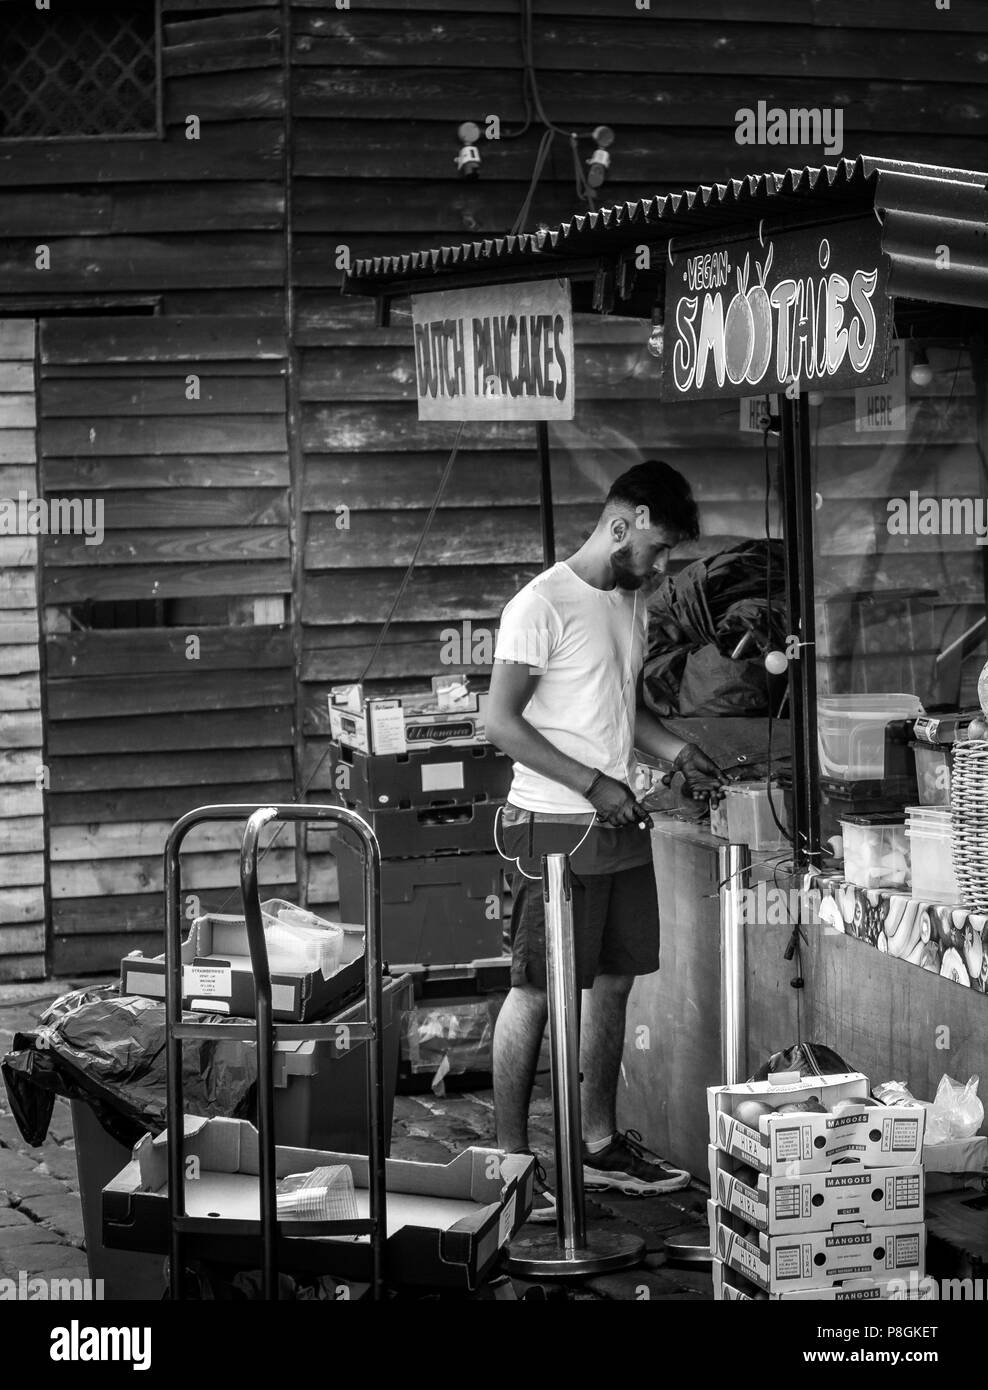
504,352
797,311
881,409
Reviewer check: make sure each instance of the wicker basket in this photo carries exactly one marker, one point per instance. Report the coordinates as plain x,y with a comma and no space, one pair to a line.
969,822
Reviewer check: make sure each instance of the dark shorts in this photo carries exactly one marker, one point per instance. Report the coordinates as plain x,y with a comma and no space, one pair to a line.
615,918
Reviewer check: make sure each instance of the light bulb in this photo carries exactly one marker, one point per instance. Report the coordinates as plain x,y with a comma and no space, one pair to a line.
776,663
656,340
920,373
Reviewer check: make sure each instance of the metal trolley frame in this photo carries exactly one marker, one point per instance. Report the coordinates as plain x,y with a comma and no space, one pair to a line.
307,1242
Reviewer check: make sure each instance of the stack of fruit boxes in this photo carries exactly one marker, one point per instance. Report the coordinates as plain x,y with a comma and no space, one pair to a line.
816,1191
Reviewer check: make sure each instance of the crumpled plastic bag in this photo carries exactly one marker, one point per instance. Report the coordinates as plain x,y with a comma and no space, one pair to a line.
956,1113
108,1049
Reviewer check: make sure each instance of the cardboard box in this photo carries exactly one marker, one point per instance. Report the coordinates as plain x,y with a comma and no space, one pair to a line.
956,1163
817,1259
447,1223
448,714
795,1144
217,977
731,1287
817,1201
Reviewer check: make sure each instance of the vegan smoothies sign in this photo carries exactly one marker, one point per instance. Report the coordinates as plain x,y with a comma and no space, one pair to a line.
750,318
500,353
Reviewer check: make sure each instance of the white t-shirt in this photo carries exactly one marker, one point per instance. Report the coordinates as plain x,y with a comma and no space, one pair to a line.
589,647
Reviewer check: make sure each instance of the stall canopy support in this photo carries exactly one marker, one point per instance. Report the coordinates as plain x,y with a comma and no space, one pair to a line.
545,494
797,509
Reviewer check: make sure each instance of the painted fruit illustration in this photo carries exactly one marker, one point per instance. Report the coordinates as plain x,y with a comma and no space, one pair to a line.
882,943
902,927
973,950
858,919
739,329
760,307
983,977
952,968
929,956
925,925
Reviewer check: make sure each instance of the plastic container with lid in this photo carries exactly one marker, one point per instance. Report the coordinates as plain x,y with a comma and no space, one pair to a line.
876,851
744,816
931,856
934,764
851,732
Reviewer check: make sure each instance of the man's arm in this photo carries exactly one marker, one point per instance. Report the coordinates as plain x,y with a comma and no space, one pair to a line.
701,775
512,686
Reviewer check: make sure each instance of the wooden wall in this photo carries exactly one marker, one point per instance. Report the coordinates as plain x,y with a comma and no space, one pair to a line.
218,504
22,827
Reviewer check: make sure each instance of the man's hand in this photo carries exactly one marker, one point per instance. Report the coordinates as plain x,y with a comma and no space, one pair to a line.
701,776
614,802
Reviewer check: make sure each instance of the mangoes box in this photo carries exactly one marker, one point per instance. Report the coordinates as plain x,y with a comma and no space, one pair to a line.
731,1287
817,1201
817,1259
811,1142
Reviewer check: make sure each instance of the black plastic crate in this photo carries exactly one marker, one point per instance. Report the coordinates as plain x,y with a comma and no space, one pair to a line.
434,911
421,777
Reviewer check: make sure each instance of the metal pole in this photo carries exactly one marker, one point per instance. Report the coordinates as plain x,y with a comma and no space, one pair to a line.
569,1251
545,494
734,864
692,1245
564,1051
798,503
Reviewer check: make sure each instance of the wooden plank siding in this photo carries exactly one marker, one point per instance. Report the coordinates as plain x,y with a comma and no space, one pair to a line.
23,877
145,724
168,257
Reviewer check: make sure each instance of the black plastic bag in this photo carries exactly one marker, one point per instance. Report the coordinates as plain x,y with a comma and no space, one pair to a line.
809,1059
108,1050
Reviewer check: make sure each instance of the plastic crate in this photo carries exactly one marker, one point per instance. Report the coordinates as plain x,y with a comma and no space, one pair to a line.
421,831
420,777
434,911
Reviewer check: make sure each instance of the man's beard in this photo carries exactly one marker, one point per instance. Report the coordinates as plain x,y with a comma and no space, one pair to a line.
624,576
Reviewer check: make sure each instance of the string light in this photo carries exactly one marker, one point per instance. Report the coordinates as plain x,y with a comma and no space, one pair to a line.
468,159
600,160
920,373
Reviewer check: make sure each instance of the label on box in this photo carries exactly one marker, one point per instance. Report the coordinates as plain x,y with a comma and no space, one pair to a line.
905,1135
207,981
506,1224
442,777
387,720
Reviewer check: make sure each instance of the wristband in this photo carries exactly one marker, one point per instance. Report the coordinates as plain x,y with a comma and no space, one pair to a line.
597,775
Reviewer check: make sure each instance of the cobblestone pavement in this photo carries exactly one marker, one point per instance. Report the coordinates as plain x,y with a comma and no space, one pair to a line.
41,1229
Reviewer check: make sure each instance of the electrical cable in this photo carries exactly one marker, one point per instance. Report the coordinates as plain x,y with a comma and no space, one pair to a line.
385,626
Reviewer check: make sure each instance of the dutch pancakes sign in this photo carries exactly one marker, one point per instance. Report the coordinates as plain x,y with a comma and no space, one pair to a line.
793,310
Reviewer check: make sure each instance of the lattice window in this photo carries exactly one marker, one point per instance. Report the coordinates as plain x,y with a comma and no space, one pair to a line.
80,69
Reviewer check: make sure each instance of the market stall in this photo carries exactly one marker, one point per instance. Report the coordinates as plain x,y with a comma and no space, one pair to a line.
844,307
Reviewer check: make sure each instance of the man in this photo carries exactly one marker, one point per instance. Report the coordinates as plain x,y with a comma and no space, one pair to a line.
565,704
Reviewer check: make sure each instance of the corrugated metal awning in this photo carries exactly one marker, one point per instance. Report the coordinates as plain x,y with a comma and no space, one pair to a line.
923,209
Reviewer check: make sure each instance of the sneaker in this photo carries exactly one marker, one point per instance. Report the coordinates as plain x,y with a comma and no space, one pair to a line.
627,1165
543,1199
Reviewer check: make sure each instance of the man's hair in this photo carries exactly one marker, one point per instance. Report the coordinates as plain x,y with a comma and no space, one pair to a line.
665,493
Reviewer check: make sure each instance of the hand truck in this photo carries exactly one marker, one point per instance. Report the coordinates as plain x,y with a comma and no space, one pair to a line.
278,1245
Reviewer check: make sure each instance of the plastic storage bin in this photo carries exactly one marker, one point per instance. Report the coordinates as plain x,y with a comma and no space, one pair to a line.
931,856
852,732
934,765
320,1100
744,816
876,851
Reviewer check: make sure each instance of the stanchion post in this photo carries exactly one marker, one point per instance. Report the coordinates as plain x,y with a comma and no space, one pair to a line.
570,1251
734,862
